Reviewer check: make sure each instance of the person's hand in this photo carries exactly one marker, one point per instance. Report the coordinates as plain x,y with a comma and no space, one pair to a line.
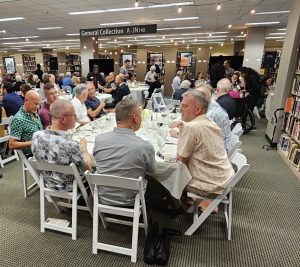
102,105
177,124
105,110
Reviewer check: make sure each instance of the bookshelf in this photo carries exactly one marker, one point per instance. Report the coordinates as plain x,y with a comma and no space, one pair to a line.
270,63
29,64
289,143
73,64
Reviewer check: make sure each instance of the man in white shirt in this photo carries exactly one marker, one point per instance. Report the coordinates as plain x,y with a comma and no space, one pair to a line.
177,81
79,106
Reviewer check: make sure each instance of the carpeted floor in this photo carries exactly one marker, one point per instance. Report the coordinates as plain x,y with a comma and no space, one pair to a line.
266,224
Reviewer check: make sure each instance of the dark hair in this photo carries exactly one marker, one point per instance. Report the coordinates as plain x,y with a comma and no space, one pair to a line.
244,70
267,78
24,88
95,66
127,60
48,86
8,87
46,78
38,66
130,75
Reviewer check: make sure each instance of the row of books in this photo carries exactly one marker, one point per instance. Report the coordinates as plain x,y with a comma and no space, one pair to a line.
296,85
292,105
291,149
291,125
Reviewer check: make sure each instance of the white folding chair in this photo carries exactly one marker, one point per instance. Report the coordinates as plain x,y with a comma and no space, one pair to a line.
237,129
158,102
6,156
71,169
96,180
224,198
173,90
236,143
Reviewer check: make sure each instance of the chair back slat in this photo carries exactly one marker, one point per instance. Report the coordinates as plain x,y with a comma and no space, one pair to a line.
6,121
114,181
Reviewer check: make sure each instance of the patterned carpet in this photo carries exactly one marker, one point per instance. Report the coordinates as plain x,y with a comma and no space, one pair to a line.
266,224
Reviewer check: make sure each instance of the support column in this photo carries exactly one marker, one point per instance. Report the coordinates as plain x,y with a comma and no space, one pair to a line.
254,47
286,71
88,50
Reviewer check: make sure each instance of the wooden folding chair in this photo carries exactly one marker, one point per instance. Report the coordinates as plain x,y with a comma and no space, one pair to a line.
71,169
96,180
224,198
6,156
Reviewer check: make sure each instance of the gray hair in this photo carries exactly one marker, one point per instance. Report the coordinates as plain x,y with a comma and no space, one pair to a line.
224,85
68,74
205,88
80,89
124,110
18,78
58,107
199,97
89,83
179,73
61,75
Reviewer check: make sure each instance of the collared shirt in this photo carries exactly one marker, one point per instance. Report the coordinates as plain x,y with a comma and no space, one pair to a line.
93,104
45,116
80,110
216,113
122,153
57,147
176,83
12,103
23,126
201,142
124,70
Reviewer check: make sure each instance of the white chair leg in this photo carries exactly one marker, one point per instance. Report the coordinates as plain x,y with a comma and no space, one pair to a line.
230,216
24,180
42,206
256,112
95,223
1,162
74,211
135,228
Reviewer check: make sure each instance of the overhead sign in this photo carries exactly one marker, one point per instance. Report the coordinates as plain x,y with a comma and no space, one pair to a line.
125,30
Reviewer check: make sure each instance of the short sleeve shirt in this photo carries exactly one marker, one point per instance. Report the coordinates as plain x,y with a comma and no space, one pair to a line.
23,126
45,116
57,147
93,104
80,110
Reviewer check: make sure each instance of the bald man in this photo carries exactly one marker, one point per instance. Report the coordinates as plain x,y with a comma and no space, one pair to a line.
25,123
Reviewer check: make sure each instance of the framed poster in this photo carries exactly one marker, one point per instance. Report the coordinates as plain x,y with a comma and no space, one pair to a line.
186,59
10,65
158,59
127,56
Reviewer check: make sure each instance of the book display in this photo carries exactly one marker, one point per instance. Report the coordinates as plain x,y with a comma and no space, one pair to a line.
73,64
270,64
289,143
29,64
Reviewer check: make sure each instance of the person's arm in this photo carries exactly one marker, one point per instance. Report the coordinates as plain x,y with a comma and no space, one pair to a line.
94,113
107,90
86,155
118,97
16,135
15,144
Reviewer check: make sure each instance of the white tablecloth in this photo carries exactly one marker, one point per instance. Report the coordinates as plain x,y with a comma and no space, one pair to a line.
138,93
174,176
101,97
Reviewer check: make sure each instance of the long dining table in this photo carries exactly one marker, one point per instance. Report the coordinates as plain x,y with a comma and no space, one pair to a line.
172,174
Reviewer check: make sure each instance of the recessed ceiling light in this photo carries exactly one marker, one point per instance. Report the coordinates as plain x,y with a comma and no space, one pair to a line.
49,28
252,11
229,26
136,4
115,23
262,23
272,12
173,4
219,7
179,10
185,18
11,19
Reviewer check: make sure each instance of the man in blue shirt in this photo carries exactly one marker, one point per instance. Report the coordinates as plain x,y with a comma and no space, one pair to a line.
11,100
93,105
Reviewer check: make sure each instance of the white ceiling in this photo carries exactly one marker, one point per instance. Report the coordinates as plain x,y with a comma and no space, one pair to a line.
54,13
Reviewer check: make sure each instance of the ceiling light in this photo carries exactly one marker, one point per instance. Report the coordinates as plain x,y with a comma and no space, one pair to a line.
283,29
105,50
115,23
210,47
252,11
49,28
27,40
116,53
87,12
179,9
175,43
122,50
125,9
274,37
173,4
110,53
136,4
277,33
272,12
261,23
3,31
163,37
13,18
84,47
240,36
128,46
209,34
229,26
183,18
219,7
73,34
187,47
115,39
222,44
231,39
183,41
67,47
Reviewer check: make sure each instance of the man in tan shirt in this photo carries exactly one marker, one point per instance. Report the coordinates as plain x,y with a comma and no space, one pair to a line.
200,145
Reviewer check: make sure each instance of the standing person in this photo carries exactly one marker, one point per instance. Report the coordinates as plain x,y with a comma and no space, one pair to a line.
51,95
96,77
25,123
122,153
39,72
177,81
217,72
149,78
228,70
124,68
201,146
152,63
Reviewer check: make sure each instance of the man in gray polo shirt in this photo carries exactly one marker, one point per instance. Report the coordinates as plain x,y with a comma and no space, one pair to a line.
122,153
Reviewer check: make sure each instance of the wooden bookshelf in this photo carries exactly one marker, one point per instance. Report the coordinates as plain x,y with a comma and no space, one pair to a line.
29,64
284,157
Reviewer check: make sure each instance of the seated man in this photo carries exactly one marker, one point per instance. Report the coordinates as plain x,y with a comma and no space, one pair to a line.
201,146
51,95
184,86
122,153
216,113
93,104
121,91
54,145
79,106
11,100
25,123
111,84
224,99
